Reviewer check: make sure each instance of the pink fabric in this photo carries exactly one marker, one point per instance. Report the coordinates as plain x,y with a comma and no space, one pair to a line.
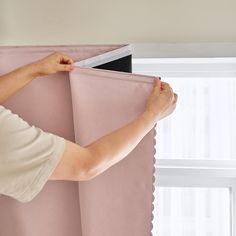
81,108
119,201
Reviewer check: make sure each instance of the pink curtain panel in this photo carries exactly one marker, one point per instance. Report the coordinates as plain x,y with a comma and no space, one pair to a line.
82,106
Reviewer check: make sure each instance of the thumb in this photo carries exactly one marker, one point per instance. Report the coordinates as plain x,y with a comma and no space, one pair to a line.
64,67
157,84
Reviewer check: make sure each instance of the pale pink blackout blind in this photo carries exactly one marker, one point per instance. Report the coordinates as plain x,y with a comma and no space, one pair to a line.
83,106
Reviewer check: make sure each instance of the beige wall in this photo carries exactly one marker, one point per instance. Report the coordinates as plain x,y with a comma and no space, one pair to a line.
30,22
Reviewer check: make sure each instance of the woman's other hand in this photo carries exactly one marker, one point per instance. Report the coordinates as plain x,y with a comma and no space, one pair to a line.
162,100
53,63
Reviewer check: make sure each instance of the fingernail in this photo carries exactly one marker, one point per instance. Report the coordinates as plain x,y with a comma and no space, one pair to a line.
162,87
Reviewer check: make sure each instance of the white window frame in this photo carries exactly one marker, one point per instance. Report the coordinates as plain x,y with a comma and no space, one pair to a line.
191,60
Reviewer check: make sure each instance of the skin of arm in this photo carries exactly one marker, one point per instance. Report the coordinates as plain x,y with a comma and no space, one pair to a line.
113,147
84,163
116,145
13,81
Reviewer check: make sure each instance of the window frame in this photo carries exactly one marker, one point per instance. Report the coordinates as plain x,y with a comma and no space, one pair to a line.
191,60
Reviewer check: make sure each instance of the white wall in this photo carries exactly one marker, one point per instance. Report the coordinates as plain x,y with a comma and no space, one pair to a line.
30,22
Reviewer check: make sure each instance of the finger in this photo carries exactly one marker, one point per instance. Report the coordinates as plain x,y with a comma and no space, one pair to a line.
168,91
162,86
167,88
174,95
165,83
157,85
174,106
157,81
65,59
175,98
63,67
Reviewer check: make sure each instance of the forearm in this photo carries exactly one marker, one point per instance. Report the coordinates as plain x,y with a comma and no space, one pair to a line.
116,145
13,81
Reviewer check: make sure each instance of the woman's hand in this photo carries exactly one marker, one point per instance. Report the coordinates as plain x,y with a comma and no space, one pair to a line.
162,100
53,63
13,81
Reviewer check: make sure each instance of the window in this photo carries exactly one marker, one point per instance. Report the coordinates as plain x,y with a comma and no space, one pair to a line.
192,211
196,147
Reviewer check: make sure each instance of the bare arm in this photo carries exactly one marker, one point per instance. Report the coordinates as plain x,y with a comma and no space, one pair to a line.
13,81
84,163
113,147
